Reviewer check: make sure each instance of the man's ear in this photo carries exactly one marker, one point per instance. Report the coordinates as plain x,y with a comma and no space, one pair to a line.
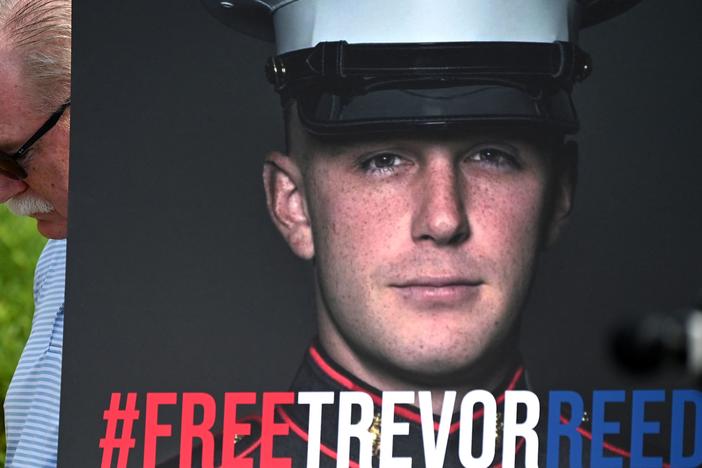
566,179
285,197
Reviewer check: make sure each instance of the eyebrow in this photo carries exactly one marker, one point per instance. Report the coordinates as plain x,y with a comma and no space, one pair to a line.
335,148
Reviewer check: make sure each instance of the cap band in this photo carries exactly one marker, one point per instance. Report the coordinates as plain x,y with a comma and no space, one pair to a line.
559,61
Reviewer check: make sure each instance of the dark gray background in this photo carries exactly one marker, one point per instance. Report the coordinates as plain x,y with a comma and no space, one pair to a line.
177,280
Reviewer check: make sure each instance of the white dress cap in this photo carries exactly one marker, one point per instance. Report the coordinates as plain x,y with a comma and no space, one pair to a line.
304,23
301,24
359,66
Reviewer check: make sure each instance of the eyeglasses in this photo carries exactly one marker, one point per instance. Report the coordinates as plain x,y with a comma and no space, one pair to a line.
10,163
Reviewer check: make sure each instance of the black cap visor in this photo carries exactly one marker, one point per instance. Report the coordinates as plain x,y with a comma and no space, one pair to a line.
411,105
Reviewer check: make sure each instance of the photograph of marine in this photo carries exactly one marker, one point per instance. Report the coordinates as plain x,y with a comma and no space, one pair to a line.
431,159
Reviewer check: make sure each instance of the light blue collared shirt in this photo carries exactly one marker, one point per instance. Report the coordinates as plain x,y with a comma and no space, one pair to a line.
32,402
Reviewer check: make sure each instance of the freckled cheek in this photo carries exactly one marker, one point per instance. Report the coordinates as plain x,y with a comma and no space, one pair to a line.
361,226
505,221
48,178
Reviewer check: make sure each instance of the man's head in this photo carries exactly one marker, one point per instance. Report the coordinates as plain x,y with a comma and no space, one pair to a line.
424,244
35,76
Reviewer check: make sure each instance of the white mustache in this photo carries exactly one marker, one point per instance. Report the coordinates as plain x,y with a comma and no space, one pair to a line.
27,204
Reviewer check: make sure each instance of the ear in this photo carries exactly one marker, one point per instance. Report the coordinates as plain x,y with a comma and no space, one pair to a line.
566,179
287,205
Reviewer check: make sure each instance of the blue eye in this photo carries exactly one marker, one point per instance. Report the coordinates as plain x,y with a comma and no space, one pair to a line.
382,163
494,157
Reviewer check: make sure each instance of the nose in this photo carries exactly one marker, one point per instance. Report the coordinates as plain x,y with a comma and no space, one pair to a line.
440,214
10,188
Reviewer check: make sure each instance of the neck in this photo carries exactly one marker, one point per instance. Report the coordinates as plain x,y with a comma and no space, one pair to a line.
491,372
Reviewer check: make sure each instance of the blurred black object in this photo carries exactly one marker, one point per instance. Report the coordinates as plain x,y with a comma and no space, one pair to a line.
649,344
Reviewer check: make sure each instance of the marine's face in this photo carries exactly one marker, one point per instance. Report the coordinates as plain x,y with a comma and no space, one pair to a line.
424,248
44,193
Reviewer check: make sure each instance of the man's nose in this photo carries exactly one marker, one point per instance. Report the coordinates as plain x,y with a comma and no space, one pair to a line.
10,188
440,214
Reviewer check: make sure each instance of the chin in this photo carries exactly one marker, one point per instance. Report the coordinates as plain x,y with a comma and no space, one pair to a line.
447,361
450,350
432,358
52,230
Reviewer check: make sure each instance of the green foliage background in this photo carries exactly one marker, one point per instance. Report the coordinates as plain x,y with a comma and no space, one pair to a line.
20,246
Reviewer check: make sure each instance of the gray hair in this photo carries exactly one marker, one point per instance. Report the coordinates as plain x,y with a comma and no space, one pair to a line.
37,33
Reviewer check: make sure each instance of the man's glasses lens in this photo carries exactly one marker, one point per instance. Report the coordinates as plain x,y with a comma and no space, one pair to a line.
11,168
9,163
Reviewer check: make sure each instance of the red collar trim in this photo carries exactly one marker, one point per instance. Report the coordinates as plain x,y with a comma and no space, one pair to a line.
612,448
404,412
254,446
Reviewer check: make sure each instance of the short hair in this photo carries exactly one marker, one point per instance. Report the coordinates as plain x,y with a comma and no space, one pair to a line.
38,34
